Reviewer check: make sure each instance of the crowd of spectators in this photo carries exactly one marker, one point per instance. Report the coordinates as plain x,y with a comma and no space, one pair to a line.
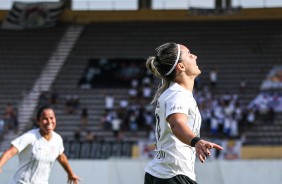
133,113
223,116
9,120
266,105
52,98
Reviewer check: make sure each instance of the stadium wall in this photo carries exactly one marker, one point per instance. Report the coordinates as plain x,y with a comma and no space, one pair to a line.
261,152
162,15
3,15
128,171
166,15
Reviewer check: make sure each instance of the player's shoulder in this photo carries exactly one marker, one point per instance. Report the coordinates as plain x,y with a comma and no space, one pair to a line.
56,135
177,90
29,135
33,132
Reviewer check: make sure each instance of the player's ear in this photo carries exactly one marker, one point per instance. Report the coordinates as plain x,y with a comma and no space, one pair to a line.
180,66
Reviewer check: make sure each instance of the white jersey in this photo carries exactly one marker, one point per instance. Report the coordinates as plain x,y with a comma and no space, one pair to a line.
36,157
173,157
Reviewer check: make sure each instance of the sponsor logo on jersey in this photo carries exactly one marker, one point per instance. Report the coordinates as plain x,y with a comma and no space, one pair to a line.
176,108
160,155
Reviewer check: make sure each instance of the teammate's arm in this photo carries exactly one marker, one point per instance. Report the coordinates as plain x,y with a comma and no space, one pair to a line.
7,155
72,178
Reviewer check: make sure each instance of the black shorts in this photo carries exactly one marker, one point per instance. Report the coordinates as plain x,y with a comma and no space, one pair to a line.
179,179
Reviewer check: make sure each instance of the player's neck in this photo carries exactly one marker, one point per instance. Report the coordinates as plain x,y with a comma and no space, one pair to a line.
187,83
47,136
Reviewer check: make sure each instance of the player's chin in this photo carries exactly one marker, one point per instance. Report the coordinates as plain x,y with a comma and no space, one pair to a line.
198,72
48,130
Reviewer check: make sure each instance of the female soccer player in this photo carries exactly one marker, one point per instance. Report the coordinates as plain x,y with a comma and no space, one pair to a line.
178,119
37,150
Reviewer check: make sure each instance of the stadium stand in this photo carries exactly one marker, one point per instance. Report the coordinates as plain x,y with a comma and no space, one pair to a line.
238,49
23,56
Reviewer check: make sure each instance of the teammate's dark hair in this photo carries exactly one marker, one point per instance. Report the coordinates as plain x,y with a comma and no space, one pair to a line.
41,109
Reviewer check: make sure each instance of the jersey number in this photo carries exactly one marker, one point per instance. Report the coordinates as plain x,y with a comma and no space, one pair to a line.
158,128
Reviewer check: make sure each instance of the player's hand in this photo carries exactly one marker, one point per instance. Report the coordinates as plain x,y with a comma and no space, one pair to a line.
73,179
1,171
203,149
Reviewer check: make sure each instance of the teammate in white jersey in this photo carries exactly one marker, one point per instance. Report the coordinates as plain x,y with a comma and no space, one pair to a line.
178,119
37,150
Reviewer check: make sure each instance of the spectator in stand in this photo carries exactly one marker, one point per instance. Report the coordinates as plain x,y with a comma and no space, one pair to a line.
71,103
2,125
105,120
219,114
43,98
54,96
133,90
206,115
147,92
270,115
116,125
84,118
77,134
178,119
109,102
123,104
263,108
228,117
214,125
213,79
149,120
133,124
146,79
243,85
233,126
90,136
10,118
75,102
38,149
251,117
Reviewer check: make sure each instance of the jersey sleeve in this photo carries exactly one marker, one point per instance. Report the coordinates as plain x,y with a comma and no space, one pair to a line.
177,103
23,141
61,146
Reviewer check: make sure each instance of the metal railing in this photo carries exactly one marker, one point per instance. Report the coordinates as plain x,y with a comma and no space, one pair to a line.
98,149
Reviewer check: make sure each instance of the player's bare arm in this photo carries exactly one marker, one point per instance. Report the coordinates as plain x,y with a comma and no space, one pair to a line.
7,155
184,134
179,128
72,178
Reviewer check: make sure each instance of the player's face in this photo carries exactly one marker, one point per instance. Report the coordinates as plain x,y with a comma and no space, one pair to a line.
47,121
189,60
